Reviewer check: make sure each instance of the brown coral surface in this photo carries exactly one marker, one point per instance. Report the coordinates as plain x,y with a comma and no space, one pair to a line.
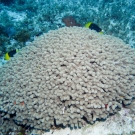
70,21
67,76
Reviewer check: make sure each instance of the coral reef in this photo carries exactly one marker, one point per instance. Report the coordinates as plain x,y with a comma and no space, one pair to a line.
121,123
8,127
67,76
42,16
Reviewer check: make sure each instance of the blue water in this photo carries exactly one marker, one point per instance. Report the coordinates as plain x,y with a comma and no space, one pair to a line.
114,17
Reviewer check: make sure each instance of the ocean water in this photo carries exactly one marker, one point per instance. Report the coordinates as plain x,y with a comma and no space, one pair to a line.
23,21
36,17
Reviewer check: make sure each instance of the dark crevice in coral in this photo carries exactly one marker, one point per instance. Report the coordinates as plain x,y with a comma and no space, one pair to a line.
63,101
12,115
85,119
54,122
70,97
123,105
92,115
63,65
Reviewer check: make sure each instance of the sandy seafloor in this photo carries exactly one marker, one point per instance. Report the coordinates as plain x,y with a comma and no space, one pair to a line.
123,123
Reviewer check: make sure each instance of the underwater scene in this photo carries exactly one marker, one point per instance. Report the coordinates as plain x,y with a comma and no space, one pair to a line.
67,67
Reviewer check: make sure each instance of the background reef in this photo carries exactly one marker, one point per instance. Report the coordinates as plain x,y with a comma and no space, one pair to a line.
22,20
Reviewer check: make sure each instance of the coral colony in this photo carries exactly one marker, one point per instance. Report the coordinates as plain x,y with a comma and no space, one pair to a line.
67,77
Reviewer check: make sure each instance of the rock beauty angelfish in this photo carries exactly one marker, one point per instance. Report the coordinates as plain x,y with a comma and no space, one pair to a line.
94,26
10,54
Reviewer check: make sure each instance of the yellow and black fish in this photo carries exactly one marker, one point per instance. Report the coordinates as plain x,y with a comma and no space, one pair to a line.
93,26
10,54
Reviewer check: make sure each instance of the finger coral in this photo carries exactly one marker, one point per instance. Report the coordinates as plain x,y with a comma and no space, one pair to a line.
68,76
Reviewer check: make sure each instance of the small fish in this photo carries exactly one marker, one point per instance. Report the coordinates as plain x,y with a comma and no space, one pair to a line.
10,54
70,21
93,26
